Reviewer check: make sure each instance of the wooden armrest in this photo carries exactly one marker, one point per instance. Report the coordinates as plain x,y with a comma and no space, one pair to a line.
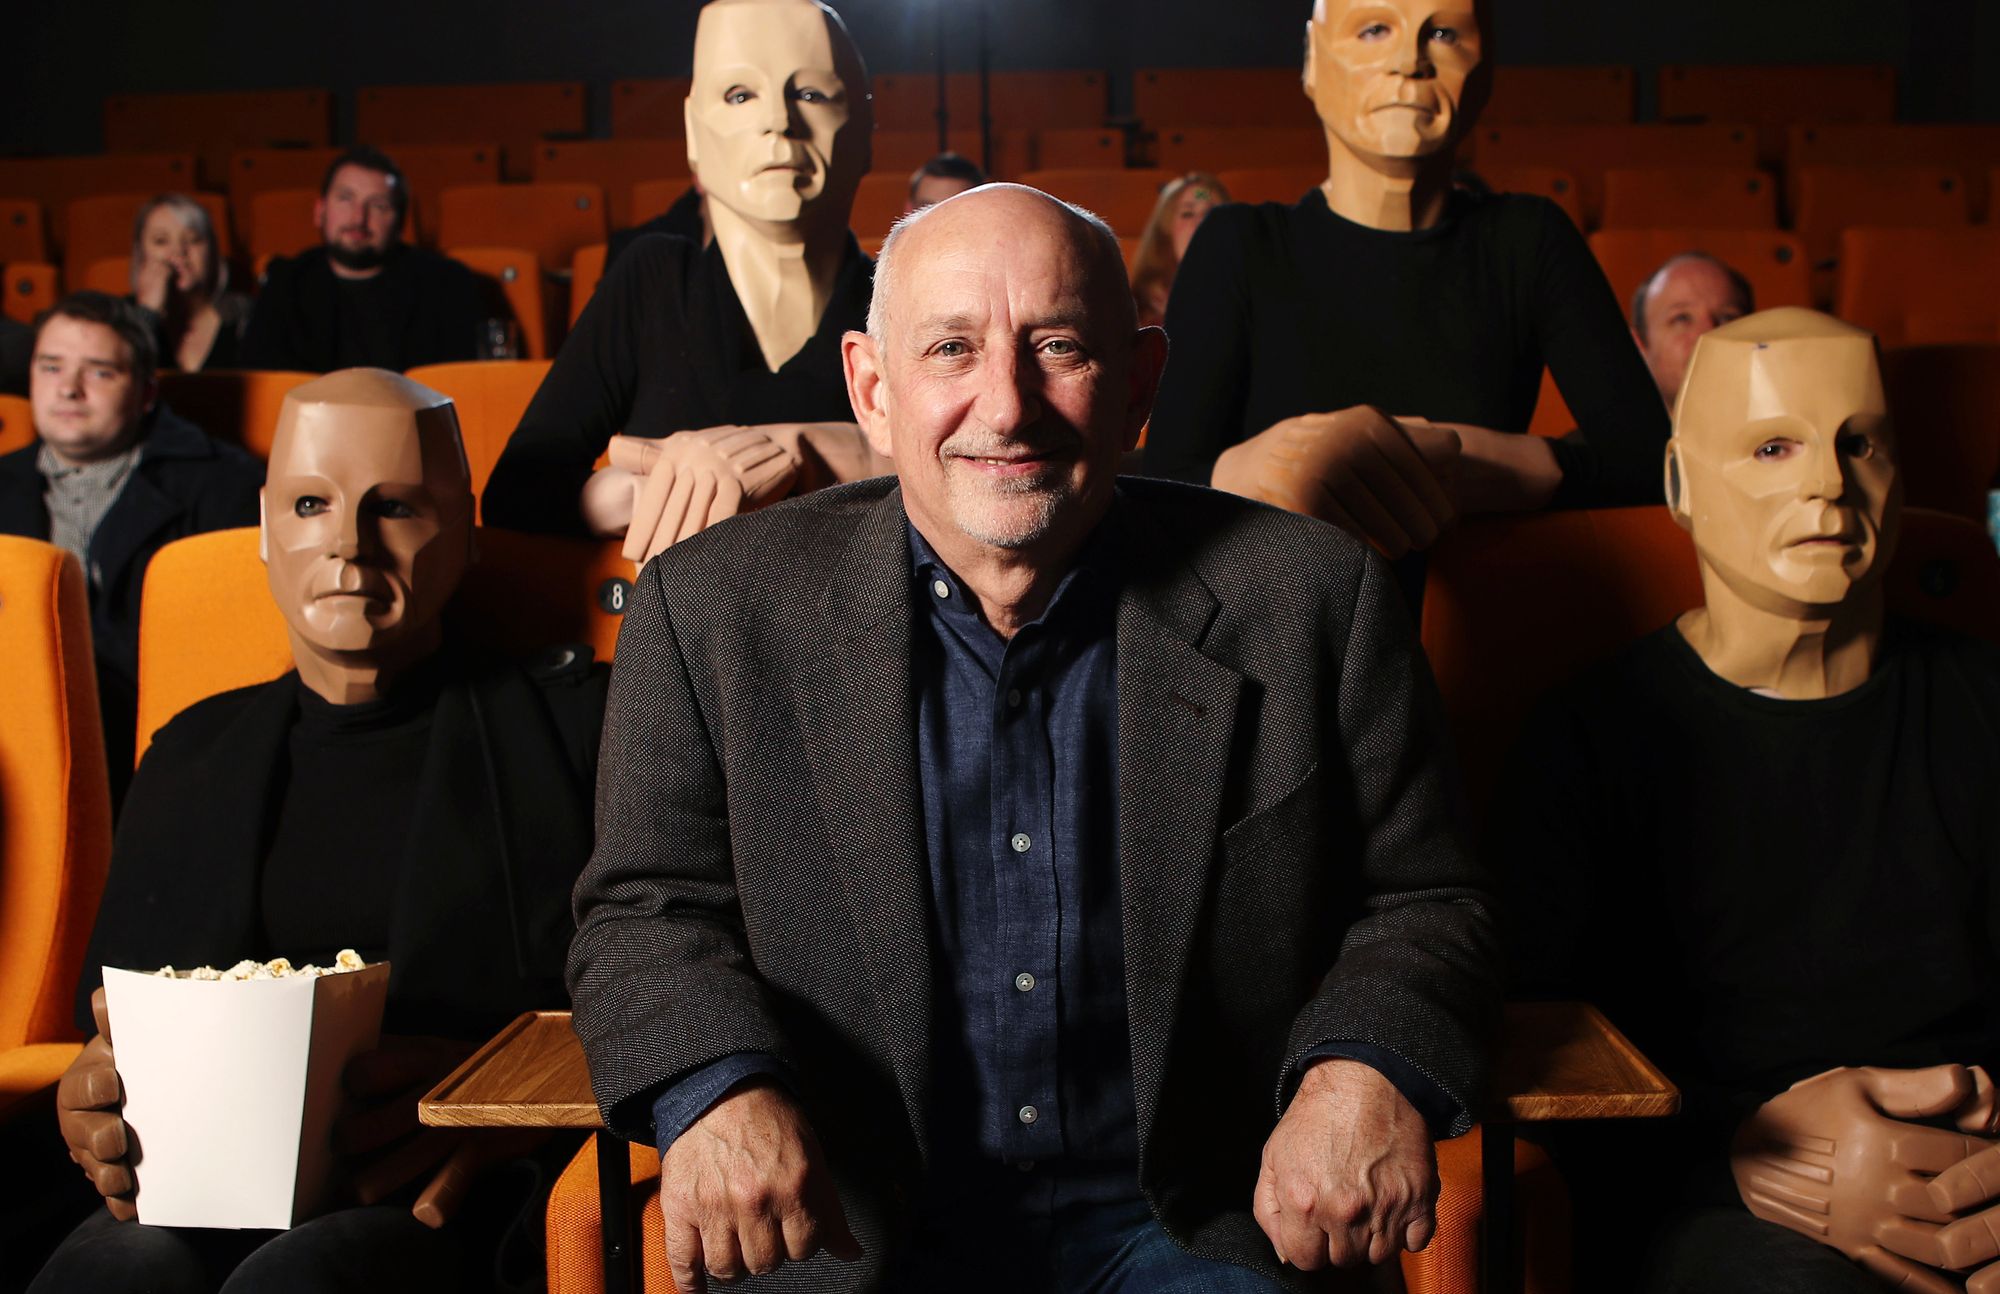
1564,1060
529,1075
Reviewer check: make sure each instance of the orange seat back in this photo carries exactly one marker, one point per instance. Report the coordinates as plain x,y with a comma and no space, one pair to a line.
433,168
1065,148
651,198
1912,287
108,274
101,226
906,150
218,124
1587,152
207,623
650,107
584,272
1218,148
17,423
1946,573
1725,197
879,203
1774,262
1124,199
1828,199
1286,184
513,283
1165,98
1946,404
549,220
55,799
1775,97
1971,150
520,115
491,395
55,182
282,221
234,405
1551,182
30,289
1016,101
260,170
1580,95
22,237
614,166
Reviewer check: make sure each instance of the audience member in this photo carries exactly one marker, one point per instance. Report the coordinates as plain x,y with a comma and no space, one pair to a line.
1763,839
113,477
1056,1071
1691,294
942,177
400,794
1184,203
1372,354
364,297
17,343
180,280
728,357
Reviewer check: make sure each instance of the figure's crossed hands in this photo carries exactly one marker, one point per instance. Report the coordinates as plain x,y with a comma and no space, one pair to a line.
87,1104
693,479
1349,1175
1837,1158
745,1189
1381,478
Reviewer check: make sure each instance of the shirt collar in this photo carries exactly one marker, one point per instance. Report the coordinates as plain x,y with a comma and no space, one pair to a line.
1090,582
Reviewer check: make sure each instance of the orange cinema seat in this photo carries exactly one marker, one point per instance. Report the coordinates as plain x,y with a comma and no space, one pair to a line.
1724,197
584,272
1773,261
1917,286
217,124
1551,182
518,114
101,226
1586,152
1218,148
55,832
512,278
879,203
1579,95
30,289
650,107
1946,404
234,405
1165,98
260,170
1828,199
22,237
17,423
551,220
1124,199
55,182
1286,184
491,395
613,165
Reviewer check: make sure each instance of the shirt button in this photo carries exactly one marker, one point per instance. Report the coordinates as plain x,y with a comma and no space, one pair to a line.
1028,1114
940,588
1024,981
1021,842
1013,698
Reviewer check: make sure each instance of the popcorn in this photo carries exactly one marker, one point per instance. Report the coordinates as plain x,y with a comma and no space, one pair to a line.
277,968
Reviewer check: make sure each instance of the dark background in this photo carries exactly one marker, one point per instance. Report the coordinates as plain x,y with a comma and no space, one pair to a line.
64,58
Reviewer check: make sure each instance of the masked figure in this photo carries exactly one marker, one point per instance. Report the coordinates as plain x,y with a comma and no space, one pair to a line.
1764,840
713,375
1370,354
398,794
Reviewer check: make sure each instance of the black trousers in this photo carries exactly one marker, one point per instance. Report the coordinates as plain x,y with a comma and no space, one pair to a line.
1729,1251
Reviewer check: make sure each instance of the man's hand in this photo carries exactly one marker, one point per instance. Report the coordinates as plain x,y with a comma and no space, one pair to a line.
744,1190
379,1132
1349,1175
154,284
1357,468
1835,1159
87,1101
693,479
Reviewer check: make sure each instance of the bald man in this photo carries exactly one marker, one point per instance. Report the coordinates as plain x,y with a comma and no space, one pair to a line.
1054,886
1690,295
418,802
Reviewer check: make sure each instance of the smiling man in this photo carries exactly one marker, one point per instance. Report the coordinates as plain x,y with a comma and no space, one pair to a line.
1055,887
364,296
113,477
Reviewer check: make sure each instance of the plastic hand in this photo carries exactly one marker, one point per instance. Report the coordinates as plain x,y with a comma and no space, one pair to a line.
379,1132
1349,1175
87,1101
1969,1191
745,1189
693,479
1833,1158
1357,468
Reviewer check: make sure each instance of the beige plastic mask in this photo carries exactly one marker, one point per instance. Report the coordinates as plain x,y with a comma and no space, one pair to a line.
1783,462
367,526
1395,82
777,118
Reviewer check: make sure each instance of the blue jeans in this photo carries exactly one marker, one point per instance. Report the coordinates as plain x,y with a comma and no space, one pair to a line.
1085,1248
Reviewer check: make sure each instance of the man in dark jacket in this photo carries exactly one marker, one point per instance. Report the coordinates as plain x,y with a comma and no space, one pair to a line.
364,297
113,477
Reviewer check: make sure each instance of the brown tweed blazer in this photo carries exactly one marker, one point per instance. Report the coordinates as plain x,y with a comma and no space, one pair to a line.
1291,865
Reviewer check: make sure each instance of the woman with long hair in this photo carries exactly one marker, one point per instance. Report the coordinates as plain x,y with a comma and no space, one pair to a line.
180,280
1182,206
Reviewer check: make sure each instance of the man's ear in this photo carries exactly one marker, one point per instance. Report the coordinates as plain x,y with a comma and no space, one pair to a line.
1676,483
263,530
866,390
1149,360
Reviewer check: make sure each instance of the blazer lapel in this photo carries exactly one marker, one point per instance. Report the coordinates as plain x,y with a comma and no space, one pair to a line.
857,714
1176,719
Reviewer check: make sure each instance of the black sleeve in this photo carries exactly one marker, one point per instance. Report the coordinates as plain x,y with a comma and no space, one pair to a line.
1613,456
230,499
587,396
1544,831
1200,409
460,314
268,341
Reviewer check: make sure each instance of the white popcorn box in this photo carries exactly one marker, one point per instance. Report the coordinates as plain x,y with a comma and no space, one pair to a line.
231,1089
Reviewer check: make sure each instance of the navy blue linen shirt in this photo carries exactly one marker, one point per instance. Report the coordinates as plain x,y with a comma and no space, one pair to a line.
1017,751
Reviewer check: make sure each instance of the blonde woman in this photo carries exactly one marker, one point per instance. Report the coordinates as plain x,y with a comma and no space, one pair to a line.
180,280
1182,206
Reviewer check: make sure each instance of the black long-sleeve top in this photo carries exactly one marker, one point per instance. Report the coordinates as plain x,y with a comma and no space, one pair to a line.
1279,311
664,346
